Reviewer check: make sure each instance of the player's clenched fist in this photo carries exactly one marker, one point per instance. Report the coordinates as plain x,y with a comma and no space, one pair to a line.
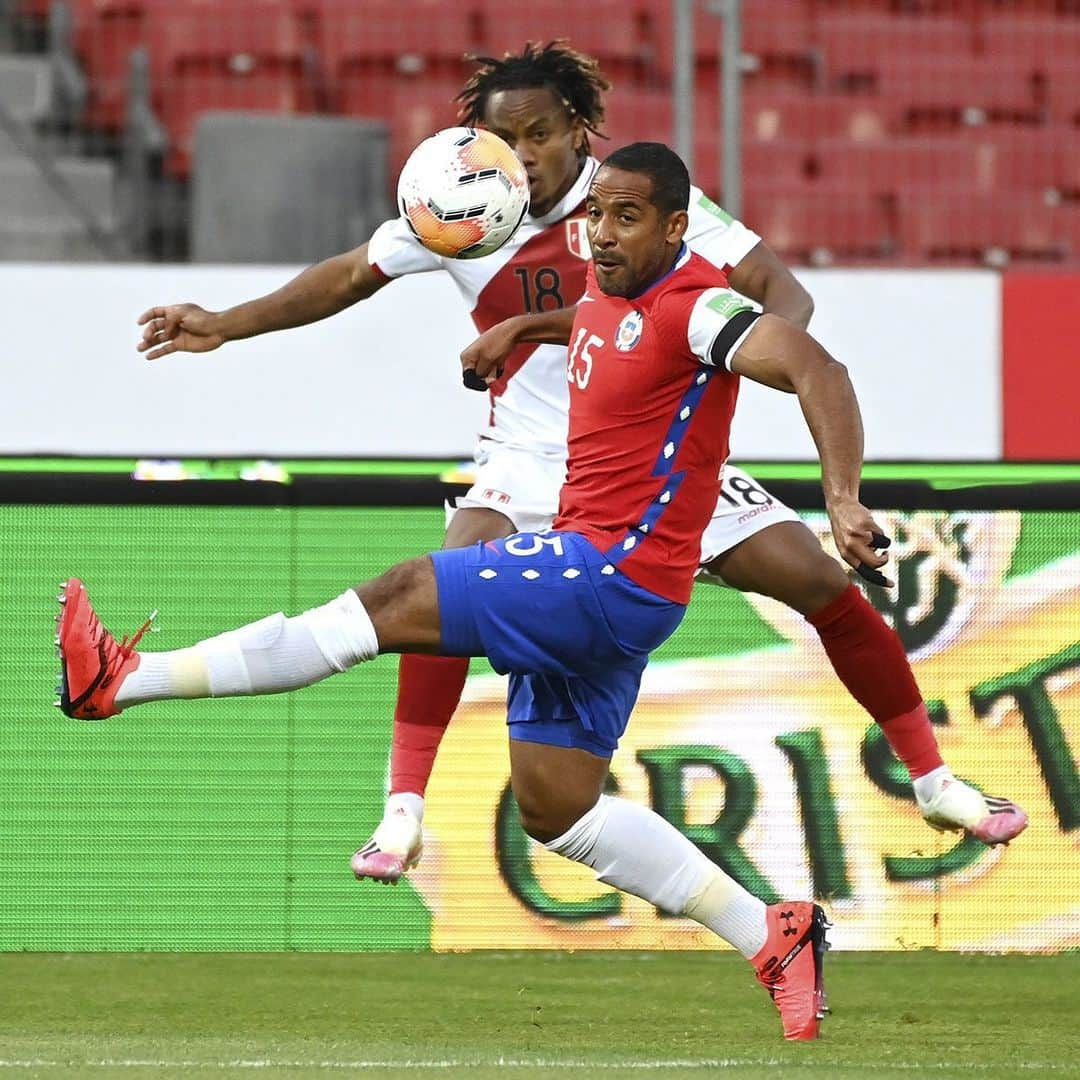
178,328
859,539
485,357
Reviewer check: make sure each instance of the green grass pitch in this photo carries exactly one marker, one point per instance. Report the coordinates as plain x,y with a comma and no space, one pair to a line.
530,1015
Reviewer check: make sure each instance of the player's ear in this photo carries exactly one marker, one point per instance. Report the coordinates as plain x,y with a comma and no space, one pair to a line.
676,226
577,128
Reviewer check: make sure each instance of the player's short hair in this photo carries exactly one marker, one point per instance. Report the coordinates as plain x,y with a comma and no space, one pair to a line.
670,179
574,78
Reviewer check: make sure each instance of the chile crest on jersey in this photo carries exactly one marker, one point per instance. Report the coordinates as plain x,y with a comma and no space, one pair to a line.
628,332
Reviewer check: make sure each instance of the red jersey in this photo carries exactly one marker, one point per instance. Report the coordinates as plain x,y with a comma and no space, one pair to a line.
650,416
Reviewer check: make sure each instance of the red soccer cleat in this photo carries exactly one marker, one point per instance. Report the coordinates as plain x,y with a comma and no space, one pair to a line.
93,663
790,965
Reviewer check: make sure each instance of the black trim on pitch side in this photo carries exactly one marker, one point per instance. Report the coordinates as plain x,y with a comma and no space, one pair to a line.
120,489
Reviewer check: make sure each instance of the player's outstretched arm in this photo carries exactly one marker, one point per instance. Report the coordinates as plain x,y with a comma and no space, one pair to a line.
784,357
762,276
316,293
486,356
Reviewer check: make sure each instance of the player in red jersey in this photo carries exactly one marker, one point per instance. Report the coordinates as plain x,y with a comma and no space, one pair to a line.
572,613
546,102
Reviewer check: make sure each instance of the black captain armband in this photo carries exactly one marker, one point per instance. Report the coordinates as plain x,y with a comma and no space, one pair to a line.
731,336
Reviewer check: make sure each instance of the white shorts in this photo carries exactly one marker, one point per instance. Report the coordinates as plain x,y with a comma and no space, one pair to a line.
524,487
520,484
744,508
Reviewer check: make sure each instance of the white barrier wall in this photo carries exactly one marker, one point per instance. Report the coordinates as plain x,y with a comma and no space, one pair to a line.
924,351
382,380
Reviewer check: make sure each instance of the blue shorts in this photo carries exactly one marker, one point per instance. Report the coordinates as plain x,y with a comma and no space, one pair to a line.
573,632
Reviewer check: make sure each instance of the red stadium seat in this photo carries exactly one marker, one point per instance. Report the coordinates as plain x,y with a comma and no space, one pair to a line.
773,31
776,29
964,91
613,31
413,107
226,54
1068,221
892,7
1027,160
1063,95
376,64
784,163
768,116
1039,43
706,32
381,96
814,227
409,38
634,114
912,163
105,32
1067,168
986,229
856,47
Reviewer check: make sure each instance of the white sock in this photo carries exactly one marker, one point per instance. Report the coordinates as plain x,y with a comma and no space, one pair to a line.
727,909
405,800
639,852
270,656
926,786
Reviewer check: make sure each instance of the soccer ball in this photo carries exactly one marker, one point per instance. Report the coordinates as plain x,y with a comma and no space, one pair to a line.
463,193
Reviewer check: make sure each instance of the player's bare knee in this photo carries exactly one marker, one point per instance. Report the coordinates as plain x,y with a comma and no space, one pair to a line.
544,824
834,577
402,603
391,589
815,588
545,819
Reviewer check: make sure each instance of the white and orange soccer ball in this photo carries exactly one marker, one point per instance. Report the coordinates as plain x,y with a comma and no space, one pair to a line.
463,193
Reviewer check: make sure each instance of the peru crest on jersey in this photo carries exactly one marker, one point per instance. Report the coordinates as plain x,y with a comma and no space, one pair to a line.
577,238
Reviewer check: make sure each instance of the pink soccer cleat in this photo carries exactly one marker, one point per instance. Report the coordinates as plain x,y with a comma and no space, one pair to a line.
958,806
394,849
93,663
791,966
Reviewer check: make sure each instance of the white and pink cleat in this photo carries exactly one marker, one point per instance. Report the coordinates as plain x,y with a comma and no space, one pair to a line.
956,805
394,849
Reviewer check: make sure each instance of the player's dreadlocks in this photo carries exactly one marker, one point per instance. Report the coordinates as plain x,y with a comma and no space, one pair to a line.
573,77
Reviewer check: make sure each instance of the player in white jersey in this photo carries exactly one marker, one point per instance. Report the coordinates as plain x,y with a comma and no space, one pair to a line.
546,102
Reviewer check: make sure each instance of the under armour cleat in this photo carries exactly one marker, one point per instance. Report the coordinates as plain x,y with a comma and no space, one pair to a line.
393,850
791,966
956,805
93,663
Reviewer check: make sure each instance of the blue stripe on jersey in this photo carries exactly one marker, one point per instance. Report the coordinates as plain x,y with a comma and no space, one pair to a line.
663,467
673,439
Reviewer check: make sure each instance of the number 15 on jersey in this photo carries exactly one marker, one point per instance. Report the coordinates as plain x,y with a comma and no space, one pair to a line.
579,362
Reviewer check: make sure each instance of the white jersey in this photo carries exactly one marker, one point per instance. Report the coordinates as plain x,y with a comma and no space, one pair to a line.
541,268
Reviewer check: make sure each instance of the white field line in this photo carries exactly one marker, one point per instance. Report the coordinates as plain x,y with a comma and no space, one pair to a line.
511,1063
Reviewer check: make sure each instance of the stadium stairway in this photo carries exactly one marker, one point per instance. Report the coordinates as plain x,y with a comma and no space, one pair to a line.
54,204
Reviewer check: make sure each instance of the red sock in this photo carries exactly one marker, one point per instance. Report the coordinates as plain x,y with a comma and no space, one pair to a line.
429,689
872,664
